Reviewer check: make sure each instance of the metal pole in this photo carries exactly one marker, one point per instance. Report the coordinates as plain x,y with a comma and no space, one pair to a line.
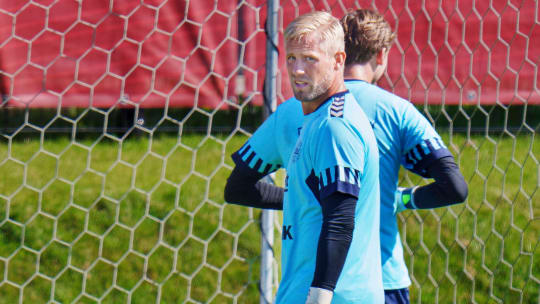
270,100
270,103
267,255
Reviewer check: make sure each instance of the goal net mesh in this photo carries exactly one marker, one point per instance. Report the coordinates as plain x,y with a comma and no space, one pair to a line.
118,118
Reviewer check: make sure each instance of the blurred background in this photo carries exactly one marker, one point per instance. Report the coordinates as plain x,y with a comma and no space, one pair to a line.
118,118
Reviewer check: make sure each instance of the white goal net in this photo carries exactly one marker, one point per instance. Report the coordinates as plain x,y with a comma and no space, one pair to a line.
118,118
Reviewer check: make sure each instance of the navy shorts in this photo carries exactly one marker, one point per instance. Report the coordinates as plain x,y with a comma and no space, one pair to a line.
396,296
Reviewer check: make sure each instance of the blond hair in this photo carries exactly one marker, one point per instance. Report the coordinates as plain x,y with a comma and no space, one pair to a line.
326,27
366,34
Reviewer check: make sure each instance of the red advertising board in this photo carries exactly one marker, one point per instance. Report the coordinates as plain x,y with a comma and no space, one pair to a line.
164,53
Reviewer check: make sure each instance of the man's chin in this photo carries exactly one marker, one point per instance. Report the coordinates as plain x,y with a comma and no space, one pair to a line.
305,100
303,97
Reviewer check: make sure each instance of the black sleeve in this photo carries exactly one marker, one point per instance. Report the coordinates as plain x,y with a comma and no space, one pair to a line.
335,238
448,188
245,188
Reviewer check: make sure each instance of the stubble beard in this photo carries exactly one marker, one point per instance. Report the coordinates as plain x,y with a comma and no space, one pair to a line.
317,90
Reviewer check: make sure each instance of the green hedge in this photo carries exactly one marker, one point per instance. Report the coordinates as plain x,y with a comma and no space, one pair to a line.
93,121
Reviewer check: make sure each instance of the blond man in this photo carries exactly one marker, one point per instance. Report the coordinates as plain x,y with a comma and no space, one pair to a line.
404,137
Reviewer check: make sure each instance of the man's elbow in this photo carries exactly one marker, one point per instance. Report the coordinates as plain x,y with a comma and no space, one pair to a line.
463,192
228,193
459,191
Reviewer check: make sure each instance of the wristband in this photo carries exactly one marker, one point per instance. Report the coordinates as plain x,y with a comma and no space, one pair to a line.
407,197
319,296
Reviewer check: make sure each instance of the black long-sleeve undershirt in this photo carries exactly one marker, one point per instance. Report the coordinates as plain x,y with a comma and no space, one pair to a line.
448,188
338,211
245,187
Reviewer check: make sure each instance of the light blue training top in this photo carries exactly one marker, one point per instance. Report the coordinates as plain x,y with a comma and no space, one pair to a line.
404,137
336,151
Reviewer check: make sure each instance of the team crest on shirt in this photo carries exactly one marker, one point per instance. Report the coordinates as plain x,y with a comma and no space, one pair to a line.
296,153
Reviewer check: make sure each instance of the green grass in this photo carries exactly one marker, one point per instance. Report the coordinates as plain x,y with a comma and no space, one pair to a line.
486,250
143,219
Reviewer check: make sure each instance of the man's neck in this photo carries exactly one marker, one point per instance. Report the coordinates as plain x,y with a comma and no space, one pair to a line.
311,106
359,72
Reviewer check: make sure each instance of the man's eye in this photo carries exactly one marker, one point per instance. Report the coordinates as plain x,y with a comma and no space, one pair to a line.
311,59
291,58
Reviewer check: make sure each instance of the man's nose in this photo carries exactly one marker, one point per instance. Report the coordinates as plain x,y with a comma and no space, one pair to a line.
298,68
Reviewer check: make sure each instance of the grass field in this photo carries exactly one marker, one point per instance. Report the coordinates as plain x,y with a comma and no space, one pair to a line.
143,219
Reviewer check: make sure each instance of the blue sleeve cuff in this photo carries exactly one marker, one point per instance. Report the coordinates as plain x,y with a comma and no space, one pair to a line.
423,154
339,179
247,156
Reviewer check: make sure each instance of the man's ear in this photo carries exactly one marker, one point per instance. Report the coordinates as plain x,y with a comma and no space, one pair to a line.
340,59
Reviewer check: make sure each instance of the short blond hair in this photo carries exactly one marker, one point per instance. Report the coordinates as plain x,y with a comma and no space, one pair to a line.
326,27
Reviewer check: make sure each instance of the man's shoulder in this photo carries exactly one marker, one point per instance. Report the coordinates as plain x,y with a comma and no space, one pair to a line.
289,107
391,110
344,119
341,108
372,93
288,117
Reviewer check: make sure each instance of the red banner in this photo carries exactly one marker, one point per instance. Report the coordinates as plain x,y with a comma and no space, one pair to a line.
210,54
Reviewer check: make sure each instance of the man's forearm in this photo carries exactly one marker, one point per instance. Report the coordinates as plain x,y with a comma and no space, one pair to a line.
448,188
335,239
245,188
